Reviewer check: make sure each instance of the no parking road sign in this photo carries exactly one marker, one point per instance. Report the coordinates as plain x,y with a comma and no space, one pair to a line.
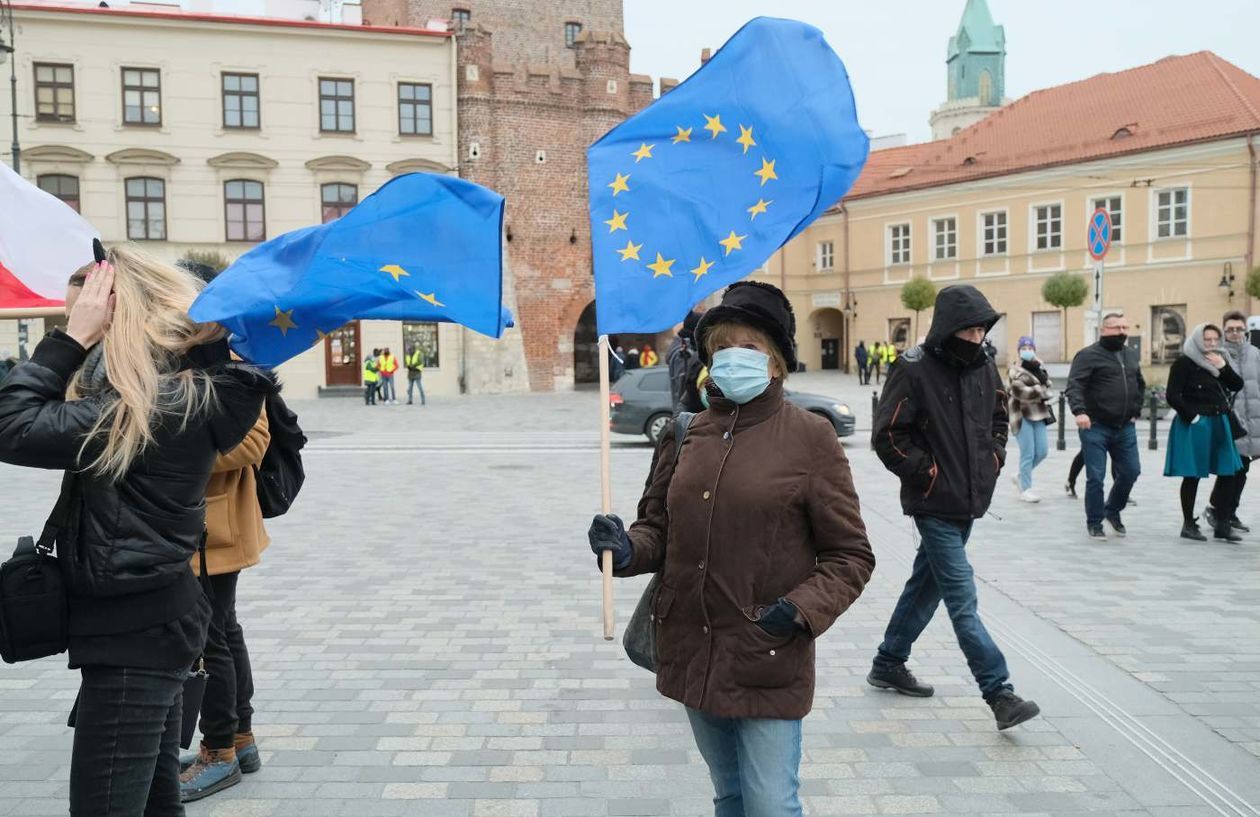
1099,240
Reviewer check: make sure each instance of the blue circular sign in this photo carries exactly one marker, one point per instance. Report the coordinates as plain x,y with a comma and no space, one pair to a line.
1099,240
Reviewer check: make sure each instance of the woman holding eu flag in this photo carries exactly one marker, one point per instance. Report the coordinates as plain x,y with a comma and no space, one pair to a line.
755,530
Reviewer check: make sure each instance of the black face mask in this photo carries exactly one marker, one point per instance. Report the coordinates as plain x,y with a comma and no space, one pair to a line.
964,350
1113,343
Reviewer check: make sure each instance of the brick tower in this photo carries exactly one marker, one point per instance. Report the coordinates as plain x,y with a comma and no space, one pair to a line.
534,91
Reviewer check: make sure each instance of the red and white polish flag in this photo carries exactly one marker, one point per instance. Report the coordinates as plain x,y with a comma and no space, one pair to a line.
42,242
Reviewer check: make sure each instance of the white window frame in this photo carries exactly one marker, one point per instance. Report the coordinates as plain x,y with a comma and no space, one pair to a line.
937,222
825,258
1006,234
1034,223
907,244
1155,214
1108,197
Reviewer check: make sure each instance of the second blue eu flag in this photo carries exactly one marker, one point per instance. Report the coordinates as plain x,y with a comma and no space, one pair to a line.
696,191
424,247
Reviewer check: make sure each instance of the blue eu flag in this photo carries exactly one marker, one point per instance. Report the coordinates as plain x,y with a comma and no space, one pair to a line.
700,188
424,247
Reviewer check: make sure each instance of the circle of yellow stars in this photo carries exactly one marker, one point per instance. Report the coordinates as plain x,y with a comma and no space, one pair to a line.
663,267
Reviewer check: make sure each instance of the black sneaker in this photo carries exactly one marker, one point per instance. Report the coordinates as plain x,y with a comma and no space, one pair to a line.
1011,710
1224,533
1239,526
1097,532
899,678
1190,530
1116,525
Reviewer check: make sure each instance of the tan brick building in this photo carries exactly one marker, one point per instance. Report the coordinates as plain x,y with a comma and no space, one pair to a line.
1169,149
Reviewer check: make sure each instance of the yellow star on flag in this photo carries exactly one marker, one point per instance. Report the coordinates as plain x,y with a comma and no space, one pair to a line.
661,267
746,138
631,250
431,298
732,242
714,125
682,135
283,321
395,270
644,152
767,171
619,185
759,208
321,335
617,222
703,269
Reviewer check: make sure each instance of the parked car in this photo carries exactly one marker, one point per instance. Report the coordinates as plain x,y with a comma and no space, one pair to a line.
641,404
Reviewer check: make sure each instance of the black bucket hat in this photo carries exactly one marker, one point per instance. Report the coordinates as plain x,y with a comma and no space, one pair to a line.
759,305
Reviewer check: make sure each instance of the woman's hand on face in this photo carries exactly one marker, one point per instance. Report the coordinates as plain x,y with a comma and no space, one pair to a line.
94,309
1216,359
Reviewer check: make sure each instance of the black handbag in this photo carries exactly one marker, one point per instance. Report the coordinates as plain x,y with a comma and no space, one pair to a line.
34,616
639,639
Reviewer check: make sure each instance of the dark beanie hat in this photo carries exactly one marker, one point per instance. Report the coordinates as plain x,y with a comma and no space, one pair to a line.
689,324
759,305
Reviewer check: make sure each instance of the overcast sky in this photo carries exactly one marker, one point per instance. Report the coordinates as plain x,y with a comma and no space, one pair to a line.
895,49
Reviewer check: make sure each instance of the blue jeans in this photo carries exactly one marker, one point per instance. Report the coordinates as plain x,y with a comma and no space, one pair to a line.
387,387
1033,447
754,763
414,383
941,572
1121,443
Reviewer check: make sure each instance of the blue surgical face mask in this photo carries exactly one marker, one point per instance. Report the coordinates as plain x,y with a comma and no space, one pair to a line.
1027,354
741,374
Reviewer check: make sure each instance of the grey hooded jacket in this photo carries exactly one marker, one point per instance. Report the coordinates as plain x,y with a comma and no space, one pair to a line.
1246,361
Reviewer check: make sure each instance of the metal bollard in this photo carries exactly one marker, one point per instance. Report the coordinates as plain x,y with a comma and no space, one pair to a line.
1154,441
1061,443
874,404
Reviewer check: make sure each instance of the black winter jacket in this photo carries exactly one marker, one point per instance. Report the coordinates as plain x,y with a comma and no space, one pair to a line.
1193,391
1106,386
941,425
133,539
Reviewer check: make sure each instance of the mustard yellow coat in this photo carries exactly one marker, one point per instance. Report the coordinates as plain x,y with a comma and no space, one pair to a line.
236,536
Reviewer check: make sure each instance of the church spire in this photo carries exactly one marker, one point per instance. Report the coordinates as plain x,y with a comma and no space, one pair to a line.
976,70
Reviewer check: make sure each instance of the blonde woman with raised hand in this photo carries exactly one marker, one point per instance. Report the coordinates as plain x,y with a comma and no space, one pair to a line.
133,400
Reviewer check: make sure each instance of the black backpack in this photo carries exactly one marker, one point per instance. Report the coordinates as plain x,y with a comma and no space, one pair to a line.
280,475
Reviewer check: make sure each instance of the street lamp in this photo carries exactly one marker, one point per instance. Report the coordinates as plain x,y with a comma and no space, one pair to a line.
1226,286
6,12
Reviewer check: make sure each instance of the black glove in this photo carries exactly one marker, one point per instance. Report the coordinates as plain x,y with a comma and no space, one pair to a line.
779,619
608,533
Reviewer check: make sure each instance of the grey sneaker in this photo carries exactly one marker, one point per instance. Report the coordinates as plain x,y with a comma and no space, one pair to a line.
1116,525
1096,532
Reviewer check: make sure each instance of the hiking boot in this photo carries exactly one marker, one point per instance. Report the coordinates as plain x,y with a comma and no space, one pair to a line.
1224,533
1116,525
1011,710
247,752
900,679
213,771
1190,530
1096,532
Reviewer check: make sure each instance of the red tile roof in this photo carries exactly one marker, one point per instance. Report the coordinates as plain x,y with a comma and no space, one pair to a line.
1176,101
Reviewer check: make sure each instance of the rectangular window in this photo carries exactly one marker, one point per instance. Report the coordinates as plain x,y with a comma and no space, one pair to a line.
146,209
1113,205
899,244
461,18
994,239
945,231
54,92
142,96
422,336
65,188
571,32
1172,213
415,109
826,255
244,210
337,200
1049,219
336,105
240,101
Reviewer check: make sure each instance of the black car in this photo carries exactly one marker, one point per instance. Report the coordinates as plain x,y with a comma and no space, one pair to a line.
641,404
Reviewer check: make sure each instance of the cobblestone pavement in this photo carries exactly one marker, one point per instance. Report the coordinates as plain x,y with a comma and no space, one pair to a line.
425,639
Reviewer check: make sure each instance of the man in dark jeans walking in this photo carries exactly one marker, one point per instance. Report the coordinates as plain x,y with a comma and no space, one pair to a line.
941,427
1104,390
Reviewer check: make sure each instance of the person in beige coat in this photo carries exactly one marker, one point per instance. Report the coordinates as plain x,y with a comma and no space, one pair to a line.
235,540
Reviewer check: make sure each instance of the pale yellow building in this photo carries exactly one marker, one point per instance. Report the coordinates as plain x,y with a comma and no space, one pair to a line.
1167,149
200,132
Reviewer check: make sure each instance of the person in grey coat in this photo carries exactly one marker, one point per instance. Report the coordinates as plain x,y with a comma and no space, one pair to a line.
1245,359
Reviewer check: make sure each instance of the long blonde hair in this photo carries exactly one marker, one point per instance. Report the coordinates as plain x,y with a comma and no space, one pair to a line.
148,334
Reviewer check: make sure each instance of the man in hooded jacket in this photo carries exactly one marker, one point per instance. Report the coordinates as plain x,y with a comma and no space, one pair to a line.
941,427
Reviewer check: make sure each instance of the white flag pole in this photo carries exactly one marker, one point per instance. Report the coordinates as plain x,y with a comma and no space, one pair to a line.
605,479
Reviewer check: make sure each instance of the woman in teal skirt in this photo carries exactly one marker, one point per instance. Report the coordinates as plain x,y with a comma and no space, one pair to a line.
1201,386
